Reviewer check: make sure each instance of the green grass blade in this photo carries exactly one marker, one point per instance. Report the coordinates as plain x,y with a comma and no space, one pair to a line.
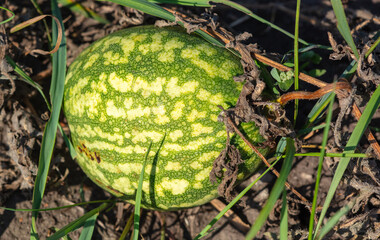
79,8
78,222
319,171
374,45
127,227
9,19
88,228
59,61
57,208
318,109
333,221
136,220
276,190
195,3
317,154
372,105
204,3
48,140
281,146
343,27
296,60
27,79
147,7
69,145
284,218
205,230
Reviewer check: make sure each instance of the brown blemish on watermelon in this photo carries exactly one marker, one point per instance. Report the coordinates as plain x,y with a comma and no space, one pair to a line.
114,190
97,156
109,188
89,154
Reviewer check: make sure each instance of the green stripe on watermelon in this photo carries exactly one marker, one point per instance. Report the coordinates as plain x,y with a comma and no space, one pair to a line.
133,86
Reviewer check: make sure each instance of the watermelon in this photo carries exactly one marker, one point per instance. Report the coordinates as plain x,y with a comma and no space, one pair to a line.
160,85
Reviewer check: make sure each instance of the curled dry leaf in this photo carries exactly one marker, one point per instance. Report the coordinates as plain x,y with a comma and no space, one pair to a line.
34,20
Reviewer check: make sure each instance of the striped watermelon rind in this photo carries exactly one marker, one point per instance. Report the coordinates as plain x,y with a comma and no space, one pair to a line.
138,85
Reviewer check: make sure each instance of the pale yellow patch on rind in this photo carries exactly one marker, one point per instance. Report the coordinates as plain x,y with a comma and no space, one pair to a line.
196,165
91,60
122,84
203,174
173,44
175,135
141,136
99,87
204,200
178,110
214,117
148,88
194,114
175,186
173,166
87,131
111,57
114,111
166,56
160,112
140,111
128,102
206,49
79,103
126,168
124,185
174,90
208,156
221,134
198,129
205,95
110,40
192,145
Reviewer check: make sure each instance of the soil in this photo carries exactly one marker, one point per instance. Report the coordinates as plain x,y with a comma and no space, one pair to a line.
24,115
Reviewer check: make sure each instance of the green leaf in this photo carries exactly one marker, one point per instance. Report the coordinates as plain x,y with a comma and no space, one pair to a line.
48,140
284,218
147,7
286,85
27,79
321,158
276,190
333,221
88,228
136,220
78,222
268,79
284,79
275,74
281,146
343,27
10,18
197,3
352,143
